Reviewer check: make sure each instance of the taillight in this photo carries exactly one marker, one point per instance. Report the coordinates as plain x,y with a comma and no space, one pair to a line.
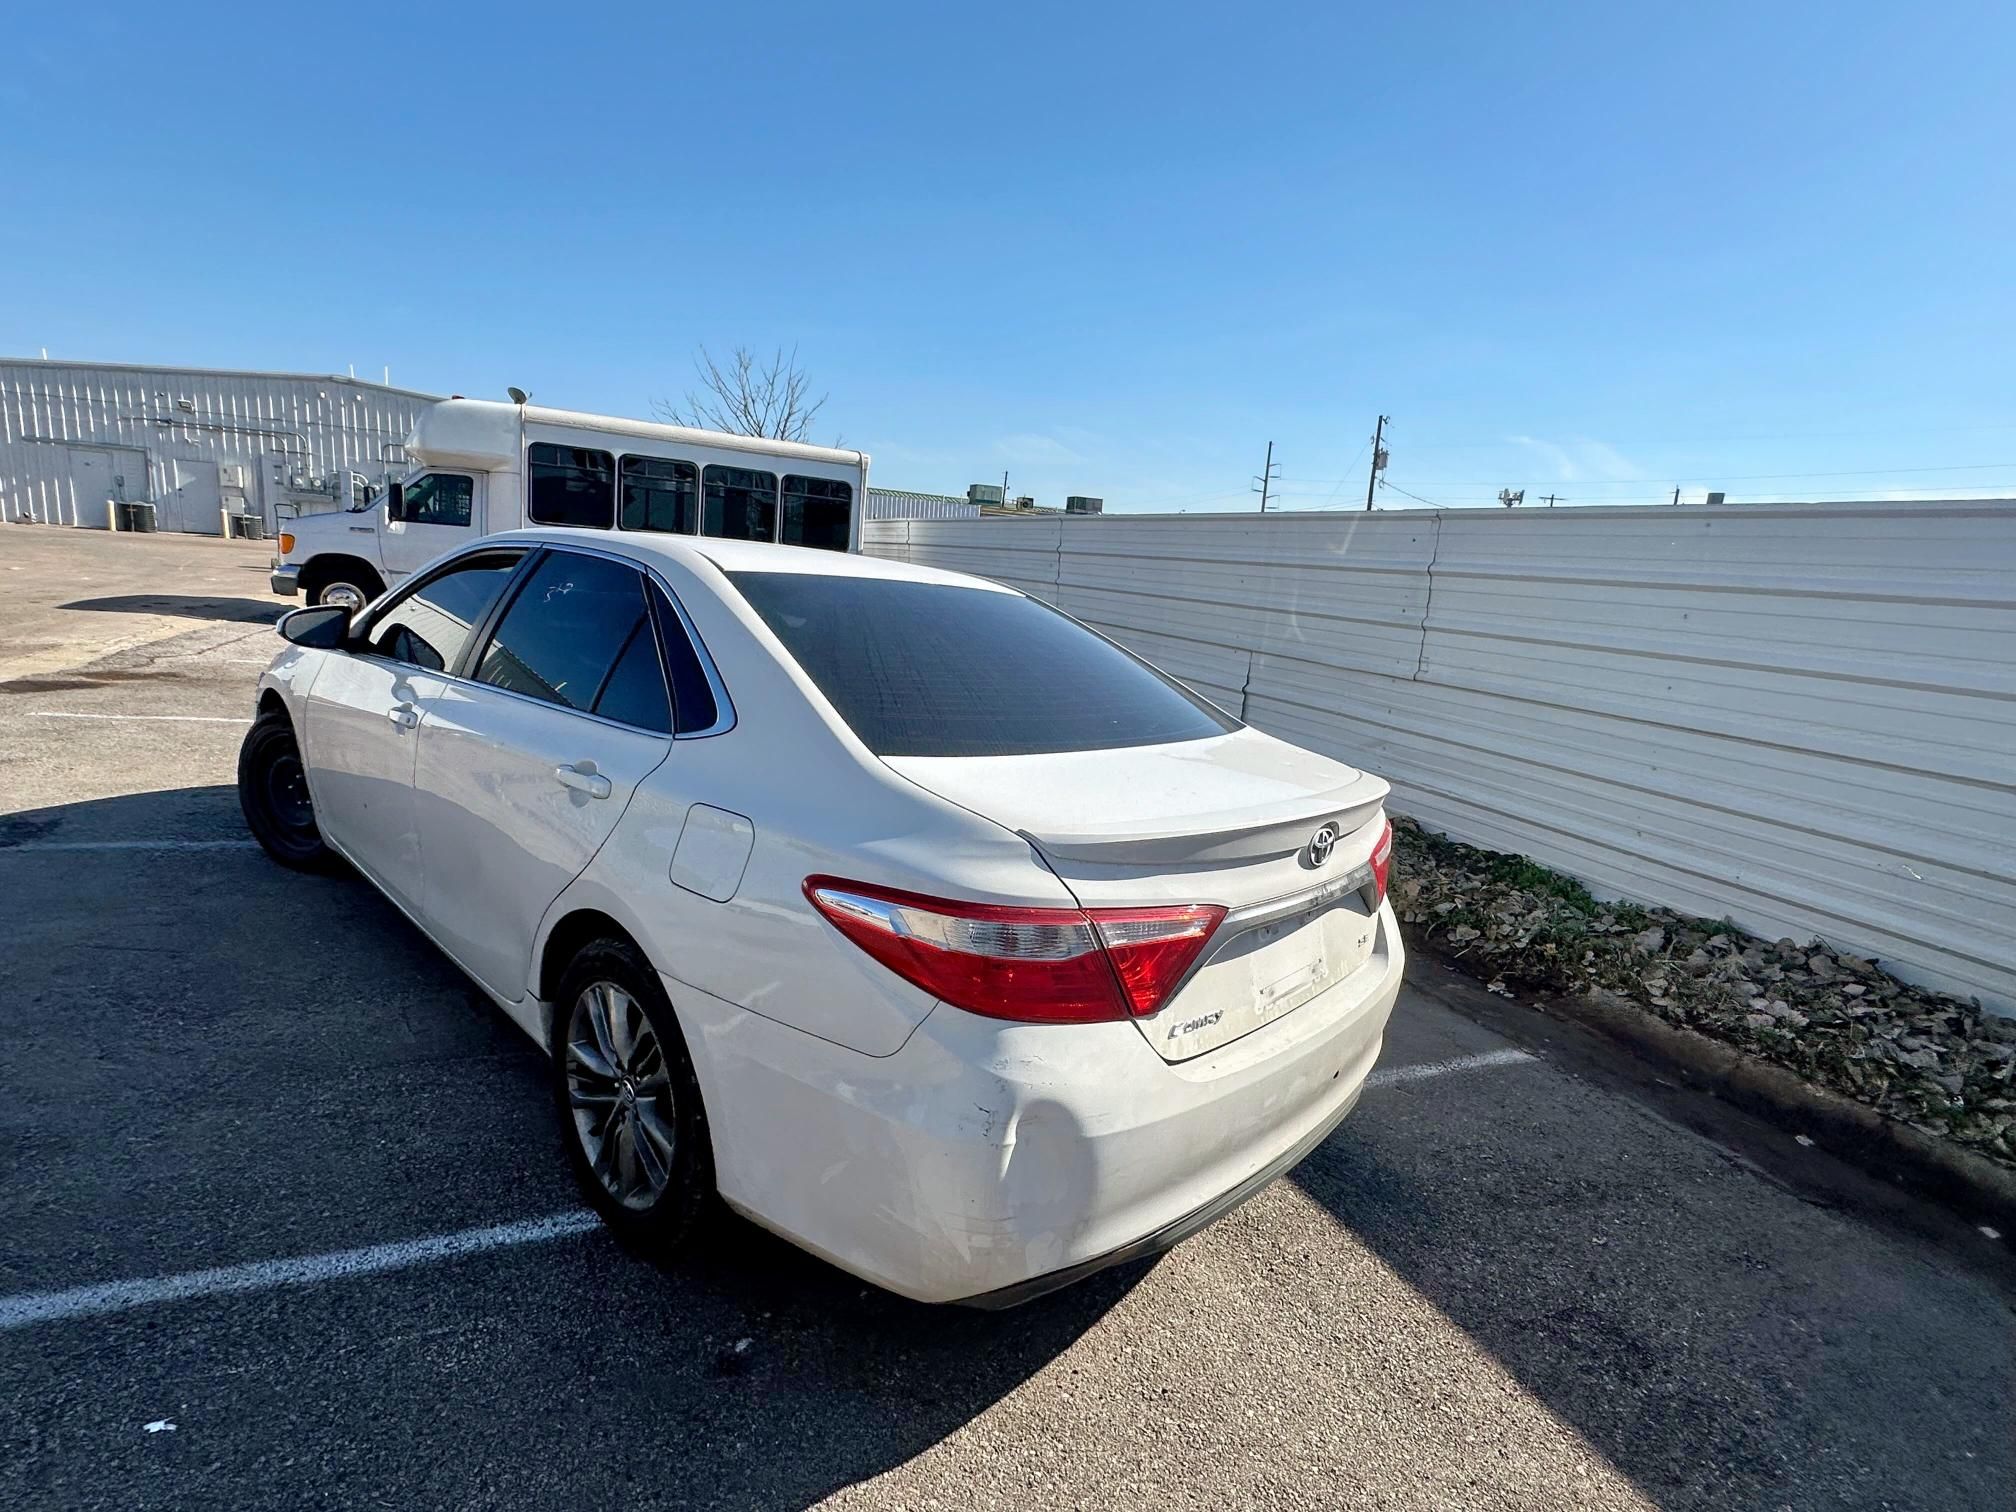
1382,862
1038,965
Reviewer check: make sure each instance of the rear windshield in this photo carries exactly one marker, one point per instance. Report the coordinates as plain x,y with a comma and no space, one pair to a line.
932,669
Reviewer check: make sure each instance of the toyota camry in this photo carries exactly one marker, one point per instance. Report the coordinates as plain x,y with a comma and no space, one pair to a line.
916,920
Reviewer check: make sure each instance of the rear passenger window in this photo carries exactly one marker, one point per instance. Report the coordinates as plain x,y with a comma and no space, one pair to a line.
635,691
430,626
571,485
692,695
817,512
660,493
740,504
564,633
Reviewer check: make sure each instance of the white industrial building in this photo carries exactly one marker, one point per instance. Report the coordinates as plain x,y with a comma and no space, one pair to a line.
199,444
902,504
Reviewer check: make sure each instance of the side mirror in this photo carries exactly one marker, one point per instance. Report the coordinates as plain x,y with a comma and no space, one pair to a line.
395,501
322,628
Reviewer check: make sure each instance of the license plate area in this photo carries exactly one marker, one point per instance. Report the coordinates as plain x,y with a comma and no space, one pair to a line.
1264,972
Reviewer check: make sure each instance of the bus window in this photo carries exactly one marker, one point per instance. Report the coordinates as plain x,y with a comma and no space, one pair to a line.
660,494
740,504
571,485
817,512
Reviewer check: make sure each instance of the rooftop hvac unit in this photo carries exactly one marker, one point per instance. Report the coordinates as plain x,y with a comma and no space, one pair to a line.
983,493
1716,498
1079,504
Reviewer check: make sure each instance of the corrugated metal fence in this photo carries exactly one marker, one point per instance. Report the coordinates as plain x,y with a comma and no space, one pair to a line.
1801,717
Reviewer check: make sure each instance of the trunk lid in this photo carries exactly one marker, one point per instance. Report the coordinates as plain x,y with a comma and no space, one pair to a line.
1227,820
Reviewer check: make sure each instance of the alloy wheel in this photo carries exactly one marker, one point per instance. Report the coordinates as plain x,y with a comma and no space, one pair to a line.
620,1095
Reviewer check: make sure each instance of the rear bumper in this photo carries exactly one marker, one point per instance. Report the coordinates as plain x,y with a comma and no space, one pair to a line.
286,579
988,1163
1173,1234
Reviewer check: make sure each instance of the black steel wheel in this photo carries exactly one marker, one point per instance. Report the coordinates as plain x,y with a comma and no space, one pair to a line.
273,792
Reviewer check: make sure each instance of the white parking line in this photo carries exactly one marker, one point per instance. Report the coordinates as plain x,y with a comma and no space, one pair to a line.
176,718
40,846
28,1308
1393,1076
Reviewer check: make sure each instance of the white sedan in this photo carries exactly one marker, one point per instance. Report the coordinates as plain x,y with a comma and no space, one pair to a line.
928,927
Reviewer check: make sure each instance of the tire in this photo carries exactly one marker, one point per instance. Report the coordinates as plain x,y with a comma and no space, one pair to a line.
608,989
273,792
354,586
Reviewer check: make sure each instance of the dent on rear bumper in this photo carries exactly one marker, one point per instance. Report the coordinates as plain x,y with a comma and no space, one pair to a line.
983,1156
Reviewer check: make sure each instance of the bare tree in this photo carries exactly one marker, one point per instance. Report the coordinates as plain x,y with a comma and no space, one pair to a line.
748,396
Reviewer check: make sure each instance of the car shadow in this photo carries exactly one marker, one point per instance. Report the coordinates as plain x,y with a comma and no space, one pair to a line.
371,1093
1719,1341
240,611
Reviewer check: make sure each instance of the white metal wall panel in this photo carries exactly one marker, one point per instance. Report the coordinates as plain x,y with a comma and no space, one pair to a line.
322,423
1802,717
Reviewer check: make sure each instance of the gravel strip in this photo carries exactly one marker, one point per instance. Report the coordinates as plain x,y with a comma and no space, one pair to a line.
1928,1059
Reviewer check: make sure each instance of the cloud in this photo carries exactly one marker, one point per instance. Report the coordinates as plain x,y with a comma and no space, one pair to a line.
1554,456
1582,460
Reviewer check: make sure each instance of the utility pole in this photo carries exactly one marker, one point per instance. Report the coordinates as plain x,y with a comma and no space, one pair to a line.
1264,480
1378,459
1550,501
1676,496
1004,487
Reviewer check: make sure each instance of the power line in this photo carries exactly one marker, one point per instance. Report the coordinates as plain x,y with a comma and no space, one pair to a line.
1982,493
1389,483
1842,472
1660,488
1337,487
1502,442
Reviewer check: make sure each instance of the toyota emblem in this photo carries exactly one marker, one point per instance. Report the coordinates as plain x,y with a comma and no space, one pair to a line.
1321,843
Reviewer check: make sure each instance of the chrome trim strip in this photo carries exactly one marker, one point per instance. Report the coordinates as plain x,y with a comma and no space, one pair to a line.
1240,922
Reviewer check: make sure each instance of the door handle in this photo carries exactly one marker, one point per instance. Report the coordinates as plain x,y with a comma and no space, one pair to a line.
591,782
363,530
404,715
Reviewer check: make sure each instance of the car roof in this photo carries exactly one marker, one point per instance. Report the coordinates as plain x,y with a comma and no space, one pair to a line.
748,556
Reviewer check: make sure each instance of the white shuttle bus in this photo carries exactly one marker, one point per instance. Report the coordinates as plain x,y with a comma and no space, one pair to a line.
480,467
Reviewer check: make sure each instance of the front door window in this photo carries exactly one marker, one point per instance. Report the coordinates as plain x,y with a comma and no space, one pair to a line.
439,499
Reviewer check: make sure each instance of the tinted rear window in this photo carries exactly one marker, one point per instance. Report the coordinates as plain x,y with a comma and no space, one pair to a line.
930,669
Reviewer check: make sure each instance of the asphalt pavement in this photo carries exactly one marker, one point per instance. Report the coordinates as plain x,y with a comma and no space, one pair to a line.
284,1222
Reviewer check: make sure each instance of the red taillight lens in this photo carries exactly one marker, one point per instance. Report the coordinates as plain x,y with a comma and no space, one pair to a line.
1382,862
1151,948
1038,965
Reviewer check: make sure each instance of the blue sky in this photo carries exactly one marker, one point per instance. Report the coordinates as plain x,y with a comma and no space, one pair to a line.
1600,250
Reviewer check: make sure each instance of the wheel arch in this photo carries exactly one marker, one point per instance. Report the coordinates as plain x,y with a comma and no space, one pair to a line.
564,941
326,566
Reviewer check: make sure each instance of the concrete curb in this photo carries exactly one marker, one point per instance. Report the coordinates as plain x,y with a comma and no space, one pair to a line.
1975,1188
